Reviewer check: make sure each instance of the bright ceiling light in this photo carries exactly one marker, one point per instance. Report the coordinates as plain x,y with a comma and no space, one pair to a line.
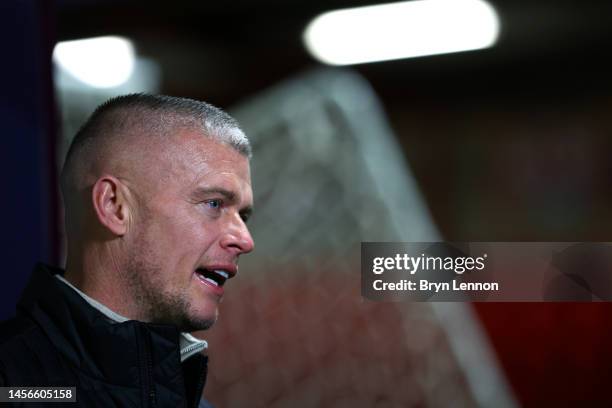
102,62
401,30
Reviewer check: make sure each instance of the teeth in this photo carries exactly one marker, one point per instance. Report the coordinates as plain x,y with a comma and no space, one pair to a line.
222,273
211,281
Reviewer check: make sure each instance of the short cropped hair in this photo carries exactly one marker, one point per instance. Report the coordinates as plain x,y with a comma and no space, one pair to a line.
154,114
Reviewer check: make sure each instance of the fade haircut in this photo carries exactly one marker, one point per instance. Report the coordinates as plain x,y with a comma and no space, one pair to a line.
155,115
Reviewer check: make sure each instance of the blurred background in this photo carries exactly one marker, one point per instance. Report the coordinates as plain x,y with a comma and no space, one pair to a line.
504,143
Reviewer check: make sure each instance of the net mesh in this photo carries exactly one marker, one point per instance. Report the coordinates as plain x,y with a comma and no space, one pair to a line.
294,330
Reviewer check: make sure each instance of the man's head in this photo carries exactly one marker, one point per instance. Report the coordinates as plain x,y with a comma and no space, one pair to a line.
157,191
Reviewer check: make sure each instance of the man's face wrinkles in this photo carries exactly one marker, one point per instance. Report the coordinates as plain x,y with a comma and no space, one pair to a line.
190,233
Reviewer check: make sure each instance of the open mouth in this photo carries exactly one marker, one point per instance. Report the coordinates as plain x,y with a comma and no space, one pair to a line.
214,277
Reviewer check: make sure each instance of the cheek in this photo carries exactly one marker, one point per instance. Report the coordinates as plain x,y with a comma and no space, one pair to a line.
183,238
166,235
180,236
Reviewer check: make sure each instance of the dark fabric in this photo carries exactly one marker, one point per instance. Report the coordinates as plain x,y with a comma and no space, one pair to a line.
58,339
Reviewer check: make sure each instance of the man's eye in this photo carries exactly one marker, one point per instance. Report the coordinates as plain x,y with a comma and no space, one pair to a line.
214,204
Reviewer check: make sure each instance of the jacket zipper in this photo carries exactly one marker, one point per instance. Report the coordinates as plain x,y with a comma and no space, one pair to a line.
147,368
203,371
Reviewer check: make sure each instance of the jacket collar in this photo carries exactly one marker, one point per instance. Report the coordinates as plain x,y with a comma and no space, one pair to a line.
107,352
189,345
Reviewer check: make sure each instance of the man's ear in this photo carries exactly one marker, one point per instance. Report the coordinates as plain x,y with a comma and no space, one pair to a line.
110,204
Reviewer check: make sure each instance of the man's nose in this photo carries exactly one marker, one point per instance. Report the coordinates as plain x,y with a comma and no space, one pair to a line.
237,237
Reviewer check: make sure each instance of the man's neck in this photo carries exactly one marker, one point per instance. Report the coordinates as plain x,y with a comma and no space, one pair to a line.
98,274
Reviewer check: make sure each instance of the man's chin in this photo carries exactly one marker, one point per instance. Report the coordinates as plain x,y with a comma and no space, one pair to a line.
188,322
199,324
199,321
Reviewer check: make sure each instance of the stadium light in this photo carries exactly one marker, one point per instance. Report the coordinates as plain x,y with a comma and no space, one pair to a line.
102,62
401,30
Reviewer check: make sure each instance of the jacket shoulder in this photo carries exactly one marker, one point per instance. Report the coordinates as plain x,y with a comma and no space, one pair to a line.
24,353
15,327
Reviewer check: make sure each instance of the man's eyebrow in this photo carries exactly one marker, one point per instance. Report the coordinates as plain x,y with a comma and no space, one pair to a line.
206,191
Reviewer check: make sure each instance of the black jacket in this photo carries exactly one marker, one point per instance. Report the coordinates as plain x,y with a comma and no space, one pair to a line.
58,339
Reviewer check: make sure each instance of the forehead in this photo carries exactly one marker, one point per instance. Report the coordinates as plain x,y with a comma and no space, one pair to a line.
197,160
